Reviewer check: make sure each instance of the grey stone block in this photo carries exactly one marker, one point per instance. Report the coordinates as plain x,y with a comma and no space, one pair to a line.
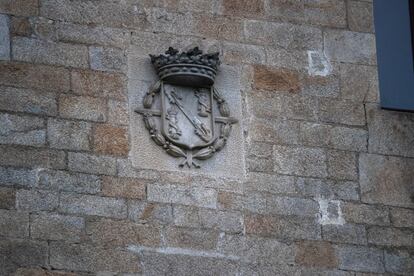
342,165
92,205
402,217
107,59
363,259
360,16
292,206
390,236
22,130
361,82
399,262
341,112
18,177
4,37
70,182
68,134
14,224
365,214
83,162
198,239
56,227
145,212
346,233
317,188
83,108
37,200
271,183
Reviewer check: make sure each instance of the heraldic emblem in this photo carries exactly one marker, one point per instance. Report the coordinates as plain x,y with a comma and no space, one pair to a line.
183,111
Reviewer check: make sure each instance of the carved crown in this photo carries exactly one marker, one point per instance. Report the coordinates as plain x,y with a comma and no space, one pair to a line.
191,68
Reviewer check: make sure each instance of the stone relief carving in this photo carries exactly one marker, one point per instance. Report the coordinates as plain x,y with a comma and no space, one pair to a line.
183,111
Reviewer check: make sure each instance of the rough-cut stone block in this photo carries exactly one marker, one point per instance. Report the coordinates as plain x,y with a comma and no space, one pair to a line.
260,157
22,130
92,205
330,13
235,53
82,162
30,157
316,254
107,59
56,227
360,16
342,112
346,233
200,239
204,218
402,217
124,187
365,214
89,258
125,169
243,8
283,35
37,200
28,101
399,262
390,236
361,82
342,165
145,212
351,139
70,182
386,180
275,131
41,272
22,253
362,259
34,76
271,183
329,189
118,113
14,224
4,37
206,25
197,196
352,47
7,198
20,7
18,177
111,233
291,206
230,201
110,140
286,58
276,79
20,26
68,134
283,227
322,85
99,84
390,132
39,51
257,250
300,161
83,108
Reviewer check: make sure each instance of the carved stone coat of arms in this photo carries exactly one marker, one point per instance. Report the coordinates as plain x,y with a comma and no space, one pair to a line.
183,111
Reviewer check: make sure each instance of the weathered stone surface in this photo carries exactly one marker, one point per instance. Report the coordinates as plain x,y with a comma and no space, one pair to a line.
300,161
402,217
342,165
92,205
390,132
257,250
227,221
110,233
352,47
14,224
68,134
125,169
200,239
271,183
124,187
107,59
20,7
342,112
89,258
286,58
82,162
22,130
243,54
182,195
386,180
316,254
41,272
275,131
83,108
22,253
276,79
7,198
291,206
33,76
4,37
217,27
20,26
110,140
365,214
145,212
399,262
243,8
390,236
360,82
70,182
347,233
30,157
37,200
56,227
317,188
230,201
282,227
39,51
360,16
18,177
321,84
29,101
118,113
98,84
362,259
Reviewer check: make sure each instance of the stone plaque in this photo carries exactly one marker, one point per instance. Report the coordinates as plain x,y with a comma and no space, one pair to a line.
184,115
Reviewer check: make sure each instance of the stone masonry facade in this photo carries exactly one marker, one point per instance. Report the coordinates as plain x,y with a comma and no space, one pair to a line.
330,176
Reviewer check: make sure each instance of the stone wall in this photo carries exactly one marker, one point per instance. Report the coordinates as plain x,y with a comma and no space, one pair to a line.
330,176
